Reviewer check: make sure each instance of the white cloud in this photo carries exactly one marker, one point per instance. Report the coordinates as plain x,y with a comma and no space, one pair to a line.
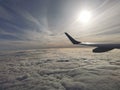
59,69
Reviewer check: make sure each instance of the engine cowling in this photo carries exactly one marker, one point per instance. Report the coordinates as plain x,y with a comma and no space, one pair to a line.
101,49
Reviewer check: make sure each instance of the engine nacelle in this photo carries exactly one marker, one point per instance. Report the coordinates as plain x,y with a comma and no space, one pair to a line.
101,49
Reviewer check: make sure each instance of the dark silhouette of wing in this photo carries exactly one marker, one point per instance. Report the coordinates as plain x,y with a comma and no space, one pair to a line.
72,39
99,47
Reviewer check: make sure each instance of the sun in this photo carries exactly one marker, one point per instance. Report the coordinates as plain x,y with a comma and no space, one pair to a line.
84,16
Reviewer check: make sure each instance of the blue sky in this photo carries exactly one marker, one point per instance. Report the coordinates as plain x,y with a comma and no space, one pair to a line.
42,23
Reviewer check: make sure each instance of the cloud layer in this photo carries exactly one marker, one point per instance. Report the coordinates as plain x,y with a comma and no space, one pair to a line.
59,69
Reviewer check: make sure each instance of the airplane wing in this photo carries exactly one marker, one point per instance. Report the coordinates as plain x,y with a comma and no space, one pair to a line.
99,47
72,39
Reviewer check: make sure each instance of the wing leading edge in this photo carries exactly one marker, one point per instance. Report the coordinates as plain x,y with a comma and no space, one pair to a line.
99,47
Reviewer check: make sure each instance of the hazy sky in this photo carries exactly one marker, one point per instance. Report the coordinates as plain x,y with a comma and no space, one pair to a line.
42,23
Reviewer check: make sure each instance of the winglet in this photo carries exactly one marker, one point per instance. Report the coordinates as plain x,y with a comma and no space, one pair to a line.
72,39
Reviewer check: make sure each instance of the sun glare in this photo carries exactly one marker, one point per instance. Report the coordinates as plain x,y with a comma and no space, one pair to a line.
84,16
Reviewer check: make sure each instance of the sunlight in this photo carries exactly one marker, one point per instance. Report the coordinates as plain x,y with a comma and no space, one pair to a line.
84,16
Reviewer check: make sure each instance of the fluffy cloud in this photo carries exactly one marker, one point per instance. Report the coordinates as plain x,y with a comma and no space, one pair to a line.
59,69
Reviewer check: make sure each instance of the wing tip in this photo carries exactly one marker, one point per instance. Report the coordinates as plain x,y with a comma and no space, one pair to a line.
72,39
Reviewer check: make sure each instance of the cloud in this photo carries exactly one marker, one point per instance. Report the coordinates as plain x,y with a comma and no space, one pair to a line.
46,21
48,69
20,22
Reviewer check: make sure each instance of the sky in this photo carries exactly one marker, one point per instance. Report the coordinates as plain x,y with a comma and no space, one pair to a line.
27,24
